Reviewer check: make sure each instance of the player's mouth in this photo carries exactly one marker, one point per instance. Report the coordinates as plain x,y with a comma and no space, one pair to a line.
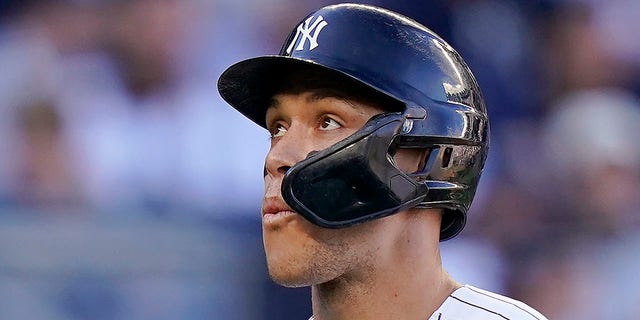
275,211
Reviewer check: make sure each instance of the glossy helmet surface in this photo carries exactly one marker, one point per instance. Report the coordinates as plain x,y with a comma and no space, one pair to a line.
394,55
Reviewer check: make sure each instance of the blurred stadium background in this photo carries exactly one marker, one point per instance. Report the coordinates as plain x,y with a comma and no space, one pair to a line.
130,190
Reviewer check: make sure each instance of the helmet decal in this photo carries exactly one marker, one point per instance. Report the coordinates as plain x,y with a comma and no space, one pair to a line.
307,30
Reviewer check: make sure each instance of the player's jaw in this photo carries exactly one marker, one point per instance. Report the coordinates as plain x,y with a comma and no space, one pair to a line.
284,241
289,240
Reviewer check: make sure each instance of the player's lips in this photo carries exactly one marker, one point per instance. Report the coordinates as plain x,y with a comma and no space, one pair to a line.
275,210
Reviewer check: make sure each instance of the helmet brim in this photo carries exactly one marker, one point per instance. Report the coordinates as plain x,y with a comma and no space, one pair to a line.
249,85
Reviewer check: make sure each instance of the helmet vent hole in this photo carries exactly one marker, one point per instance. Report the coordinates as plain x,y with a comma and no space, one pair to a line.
446,157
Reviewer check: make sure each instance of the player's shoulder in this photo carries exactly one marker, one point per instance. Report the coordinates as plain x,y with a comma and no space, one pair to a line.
471,303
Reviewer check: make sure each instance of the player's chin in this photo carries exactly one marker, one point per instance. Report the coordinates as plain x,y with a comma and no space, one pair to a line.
290,267
288,273
301,269
288,280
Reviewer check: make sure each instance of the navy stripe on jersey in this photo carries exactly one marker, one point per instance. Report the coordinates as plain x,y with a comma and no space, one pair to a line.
479,307
503,300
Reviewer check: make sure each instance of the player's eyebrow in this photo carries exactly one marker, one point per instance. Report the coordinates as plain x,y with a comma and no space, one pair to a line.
273,103
317,95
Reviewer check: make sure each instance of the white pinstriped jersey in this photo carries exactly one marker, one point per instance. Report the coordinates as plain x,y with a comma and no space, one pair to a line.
471,303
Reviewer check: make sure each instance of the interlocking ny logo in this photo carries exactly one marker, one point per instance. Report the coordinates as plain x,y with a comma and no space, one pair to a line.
305,29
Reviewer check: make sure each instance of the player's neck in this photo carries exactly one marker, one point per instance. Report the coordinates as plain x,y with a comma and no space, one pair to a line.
411,284
396,298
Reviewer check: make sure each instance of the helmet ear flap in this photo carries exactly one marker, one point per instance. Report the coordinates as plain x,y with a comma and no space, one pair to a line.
452,223
354,180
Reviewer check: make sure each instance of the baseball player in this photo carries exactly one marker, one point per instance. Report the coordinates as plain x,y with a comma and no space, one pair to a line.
379,134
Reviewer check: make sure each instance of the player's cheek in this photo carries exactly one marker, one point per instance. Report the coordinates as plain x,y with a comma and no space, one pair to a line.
271,187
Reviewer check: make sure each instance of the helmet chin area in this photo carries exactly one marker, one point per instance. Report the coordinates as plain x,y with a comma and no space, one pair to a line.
355,180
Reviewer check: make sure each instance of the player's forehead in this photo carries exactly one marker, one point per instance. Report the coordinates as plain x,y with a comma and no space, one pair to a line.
317,84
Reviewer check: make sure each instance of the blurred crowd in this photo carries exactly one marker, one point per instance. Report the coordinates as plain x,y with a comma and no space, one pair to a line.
109,109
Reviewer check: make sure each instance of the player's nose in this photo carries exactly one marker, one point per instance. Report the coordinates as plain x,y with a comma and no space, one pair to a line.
288,150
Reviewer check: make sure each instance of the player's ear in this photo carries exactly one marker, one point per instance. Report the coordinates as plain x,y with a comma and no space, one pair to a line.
411,160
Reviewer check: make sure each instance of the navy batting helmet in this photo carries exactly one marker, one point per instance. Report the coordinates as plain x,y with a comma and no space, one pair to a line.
356,179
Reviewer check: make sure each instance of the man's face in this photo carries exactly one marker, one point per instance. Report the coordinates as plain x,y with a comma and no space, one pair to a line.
298,252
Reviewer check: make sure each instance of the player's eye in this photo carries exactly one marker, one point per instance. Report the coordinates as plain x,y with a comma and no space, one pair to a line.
328,123
278,130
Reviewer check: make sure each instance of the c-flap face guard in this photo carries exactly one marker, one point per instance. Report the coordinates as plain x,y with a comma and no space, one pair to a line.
355,180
